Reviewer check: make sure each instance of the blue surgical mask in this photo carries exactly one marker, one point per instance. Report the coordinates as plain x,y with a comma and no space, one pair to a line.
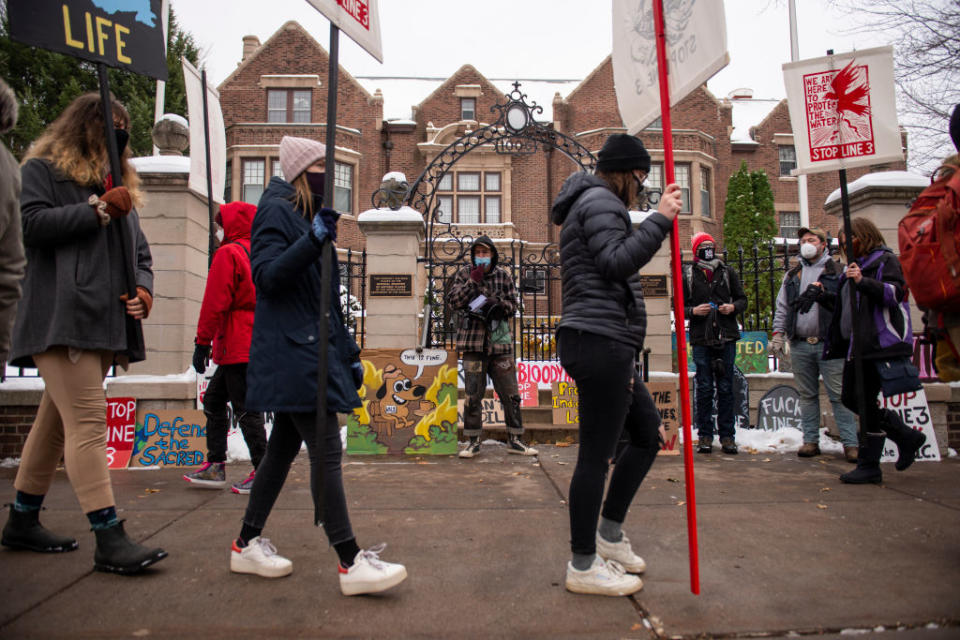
481,262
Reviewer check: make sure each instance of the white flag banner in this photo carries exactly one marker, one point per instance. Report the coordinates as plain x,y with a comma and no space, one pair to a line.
359,19
218,136
696,34
843,110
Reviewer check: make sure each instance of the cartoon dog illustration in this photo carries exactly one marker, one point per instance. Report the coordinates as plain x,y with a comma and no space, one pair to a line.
398,403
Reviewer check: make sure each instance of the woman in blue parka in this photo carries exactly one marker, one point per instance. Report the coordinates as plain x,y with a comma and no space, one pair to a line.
286,243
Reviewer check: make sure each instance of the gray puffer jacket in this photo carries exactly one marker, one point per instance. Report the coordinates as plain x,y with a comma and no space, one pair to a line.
600,256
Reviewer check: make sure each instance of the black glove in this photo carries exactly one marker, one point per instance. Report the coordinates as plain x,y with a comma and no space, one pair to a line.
201,355
808,298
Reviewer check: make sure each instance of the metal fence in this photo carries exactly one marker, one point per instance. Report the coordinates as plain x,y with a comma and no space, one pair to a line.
353,292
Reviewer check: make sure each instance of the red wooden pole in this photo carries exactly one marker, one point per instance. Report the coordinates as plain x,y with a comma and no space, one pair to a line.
678,304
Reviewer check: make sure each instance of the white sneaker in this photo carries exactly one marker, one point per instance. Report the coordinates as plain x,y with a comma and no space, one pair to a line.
259,557
622,552
603,578
370,574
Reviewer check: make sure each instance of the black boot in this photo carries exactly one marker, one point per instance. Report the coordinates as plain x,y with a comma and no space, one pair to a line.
24,531
908,440
868,461
116,553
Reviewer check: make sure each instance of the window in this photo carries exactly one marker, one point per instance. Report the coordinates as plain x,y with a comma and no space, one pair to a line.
682,172
343,187
275,169
470,197
228,183
789,224
468,108
705,192
654,179
288,105
533,280
253,179
788,159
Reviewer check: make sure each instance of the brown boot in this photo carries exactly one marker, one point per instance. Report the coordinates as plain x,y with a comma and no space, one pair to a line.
851,453
808,450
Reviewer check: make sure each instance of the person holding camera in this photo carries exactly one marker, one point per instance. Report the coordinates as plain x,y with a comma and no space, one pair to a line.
712,298
802,322
486,298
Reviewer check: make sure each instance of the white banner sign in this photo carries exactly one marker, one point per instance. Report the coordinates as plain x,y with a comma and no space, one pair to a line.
843,110
218,136
696,34
915,413
359,19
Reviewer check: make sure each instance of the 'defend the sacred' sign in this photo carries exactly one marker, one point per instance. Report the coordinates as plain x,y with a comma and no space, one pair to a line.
119,33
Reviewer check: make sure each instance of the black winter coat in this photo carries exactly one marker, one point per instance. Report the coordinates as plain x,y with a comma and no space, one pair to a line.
282,374
724,289
600,256
75,271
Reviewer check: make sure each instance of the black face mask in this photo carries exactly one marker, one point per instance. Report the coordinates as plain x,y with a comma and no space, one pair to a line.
317,182
706,254
123,136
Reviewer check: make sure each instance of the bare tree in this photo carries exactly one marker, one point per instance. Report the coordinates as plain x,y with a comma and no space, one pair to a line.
926,39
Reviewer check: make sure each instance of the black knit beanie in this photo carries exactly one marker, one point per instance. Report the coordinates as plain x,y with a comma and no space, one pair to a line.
622,152
955,127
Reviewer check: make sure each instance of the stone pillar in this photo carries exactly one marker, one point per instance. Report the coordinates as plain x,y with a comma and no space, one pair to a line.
659,306
393,244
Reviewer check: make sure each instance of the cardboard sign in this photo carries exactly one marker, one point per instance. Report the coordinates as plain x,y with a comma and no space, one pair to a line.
491,412
779,408
359,19
529,394
566,403
121,431
170,438
409,403
915,413
751,352
127,34
665,397
202,129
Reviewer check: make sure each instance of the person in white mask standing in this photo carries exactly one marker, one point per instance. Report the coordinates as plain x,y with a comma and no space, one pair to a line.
801,322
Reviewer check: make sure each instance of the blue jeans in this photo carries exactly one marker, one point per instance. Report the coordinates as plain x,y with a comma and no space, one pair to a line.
706,380
808,367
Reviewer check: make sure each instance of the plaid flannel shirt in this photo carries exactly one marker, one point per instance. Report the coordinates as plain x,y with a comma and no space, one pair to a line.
472,334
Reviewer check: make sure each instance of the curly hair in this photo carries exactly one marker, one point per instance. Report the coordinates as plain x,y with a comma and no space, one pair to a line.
74,144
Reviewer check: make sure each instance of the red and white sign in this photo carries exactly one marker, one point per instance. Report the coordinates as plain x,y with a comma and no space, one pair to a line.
359,19
529,393
915,413
542,373
121,430
843,110
696,34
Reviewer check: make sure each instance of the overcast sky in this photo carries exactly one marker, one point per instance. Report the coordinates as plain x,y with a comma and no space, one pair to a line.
529,39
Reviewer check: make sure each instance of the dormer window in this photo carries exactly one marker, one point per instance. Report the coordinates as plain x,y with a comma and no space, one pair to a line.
288,105
468,108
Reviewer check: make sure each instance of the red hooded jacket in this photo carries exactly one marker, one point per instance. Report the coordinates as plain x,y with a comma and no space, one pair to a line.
226,315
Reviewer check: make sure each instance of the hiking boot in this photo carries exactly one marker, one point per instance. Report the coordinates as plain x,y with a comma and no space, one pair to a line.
370,574
24,531
211,475
622,552
850,453
603,578
260,558
868,462
472,448
245,486
515,445
808,450
705,445
729,446
116,553
908,440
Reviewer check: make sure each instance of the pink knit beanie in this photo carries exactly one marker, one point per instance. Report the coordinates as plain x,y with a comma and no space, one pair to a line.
296,154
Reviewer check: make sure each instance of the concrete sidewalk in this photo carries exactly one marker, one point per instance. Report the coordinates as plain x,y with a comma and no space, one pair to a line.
785,549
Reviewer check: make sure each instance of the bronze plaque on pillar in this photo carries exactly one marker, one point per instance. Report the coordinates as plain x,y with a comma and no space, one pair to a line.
654,286
391,285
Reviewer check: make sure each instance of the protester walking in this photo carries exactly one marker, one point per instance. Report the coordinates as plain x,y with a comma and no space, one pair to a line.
71,324
882,320
800,323
289,231
600,334
486,298
712,298
223,334
12,260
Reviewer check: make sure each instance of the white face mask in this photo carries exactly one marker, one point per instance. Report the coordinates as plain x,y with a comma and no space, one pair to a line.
808,251
219,235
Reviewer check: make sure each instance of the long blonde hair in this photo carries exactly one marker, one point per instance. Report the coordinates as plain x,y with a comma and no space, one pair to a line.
74,144
303,197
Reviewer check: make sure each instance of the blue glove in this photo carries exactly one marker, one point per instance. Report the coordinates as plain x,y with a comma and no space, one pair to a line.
356,370
324,225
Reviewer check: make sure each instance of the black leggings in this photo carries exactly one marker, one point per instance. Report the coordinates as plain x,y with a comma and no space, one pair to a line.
612,398
871,422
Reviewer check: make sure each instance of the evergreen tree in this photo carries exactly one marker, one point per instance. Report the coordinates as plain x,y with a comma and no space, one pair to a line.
45,82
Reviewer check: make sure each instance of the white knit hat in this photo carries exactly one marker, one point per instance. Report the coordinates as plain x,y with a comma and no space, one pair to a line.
297,154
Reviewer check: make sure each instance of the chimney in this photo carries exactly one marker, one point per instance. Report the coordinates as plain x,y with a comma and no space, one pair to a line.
250,44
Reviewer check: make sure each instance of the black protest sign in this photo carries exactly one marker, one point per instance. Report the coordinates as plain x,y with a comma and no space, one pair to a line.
779,408
127,34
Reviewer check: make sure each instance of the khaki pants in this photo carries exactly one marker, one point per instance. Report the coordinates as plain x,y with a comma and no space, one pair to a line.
71,423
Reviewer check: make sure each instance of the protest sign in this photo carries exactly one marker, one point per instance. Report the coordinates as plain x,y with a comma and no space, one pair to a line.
170,438
121,431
